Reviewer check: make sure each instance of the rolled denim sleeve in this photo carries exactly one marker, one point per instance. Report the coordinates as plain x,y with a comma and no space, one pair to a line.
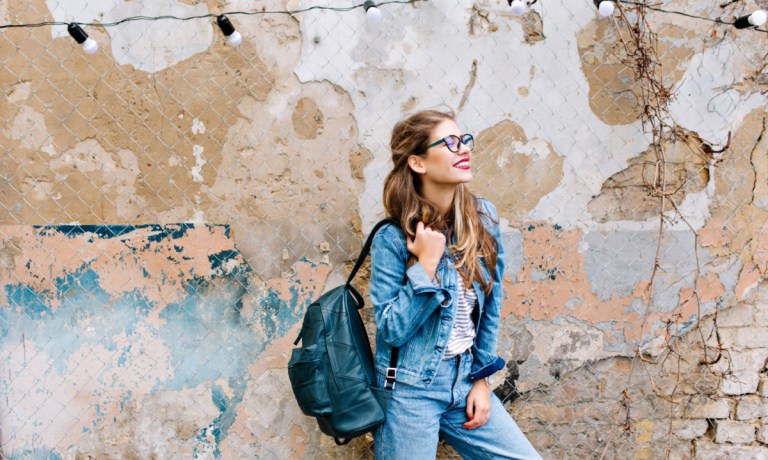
402,299
486,362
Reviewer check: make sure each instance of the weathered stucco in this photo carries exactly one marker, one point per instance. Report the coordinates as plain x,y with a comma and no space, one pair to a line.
127,327
685,171
515,171
613,90
170,204
217,138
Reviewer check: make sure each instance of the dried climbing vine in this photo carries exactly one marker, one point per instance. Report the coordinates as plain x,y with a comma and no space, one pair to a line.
637,48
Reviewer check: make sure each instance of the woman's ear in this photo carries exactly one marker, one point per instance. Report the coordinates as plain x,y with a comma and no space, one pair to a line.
416,163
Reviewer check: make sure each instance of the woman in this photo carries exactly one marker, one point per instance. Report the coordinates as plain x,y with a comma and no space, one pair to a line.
439,303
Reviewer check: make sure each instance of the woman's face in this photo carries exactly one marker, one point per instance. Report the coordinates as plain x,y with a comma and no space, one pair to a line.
439,166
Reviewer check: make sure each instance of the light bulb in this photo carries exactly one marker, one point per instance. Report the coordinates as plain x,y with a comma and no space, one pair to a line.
758,18
755,19
90,46
372,14
517,7
235,39
606,8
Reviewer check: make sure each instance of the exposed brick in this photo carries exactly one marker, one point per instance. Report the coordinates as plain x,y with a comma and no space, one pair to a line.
751,407
708,450
740,315
761,316
743,338
650,431
547,413
762,433
693,383
749,337
734,432
739,384
699,383
702,407
743,368
689,429
541,439
680,452
578,388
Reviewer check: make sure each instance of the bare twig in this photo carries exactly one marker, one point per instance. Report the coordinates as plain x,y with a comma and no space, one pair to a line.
638,51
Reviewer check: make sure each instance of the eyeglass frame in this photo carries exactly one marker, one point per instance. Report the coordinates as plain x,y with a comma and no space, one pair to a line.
458,144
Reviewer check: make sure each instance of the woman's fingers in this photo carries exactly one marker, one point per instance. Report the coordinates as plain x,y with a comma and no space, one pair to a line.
427,243
478,406
479,418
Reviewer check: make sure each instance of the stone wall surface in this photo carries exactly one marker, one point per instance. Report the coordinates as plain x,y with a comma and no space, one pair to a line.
170,205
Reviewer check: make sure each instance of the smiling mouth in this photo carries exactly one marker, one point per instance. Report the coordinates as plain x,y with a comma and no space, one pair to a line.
463,164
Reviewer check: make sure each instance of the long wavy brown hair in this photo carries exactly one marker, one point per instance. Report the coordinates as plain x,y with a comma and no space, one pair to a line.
466,236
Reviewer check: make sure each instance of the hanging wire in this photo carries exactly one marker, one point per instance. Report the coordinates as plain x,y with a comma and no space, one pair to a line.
328,8
682,13
205,16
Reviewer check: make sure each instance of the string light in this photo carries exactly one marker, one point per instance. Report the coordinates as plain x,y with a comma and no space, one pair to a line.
605,7
372,14
89,45
342,9
233,37
517,7
754,24
755,19
688,15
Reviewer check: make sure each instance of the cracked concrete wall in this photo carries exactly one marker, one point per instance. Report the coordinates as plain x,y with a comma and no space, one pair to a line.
171,204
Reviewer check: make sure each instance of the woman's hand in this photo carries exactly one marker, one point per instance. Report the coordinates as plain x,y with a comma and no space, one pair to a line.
478,405
428,246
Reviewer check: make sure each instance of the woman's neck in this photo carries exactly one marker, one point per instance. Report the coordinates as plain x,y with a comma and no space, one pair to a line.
440,196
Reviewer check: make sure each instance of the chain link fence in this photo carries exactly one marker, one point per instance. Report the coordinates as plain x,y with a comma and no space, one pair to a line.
171,204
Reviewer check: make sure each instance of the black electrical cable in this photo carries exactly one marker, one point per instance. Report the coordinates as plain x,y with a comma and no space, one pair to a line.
328,8
205,16
682,13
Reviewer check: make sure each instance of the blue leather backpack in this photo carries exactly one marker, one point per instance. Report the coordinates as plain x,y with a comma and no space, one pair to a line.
332,372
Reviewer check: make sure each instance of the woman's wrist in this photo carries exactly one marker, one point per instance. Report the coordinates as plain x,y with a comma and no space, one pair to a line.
430,266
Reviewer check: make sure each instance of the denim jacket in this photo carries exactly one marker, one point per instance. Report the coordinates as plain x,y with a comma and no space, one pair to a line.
416,315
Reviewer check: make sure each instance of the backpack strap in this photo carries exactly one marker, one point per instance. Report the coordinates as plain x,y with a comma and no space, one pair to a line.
389,382
367,247
391,375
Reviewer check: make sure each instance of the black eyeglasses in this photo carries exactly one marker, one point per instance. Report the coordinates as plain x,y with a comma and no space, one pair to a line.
454,142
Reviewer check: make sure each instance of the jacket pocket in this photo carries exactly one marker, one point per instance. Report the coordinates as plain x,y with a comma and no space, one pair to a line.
306,370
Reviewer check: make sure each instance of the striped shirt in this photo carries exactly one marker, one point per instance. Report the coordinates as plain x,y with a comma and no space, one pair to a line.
463,332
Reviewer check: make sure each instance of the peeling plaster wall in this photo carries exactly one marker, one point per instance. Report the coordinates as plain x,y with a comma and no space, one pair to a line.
136,340
170,205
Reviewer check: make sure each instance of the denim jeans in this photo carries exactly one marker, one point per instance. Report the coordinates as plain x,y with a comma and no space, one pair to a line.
418,416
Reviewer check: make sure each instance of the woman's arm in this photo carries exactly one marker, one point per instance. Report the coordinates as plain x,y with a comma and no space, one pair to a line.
479,397
399,307
488,331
